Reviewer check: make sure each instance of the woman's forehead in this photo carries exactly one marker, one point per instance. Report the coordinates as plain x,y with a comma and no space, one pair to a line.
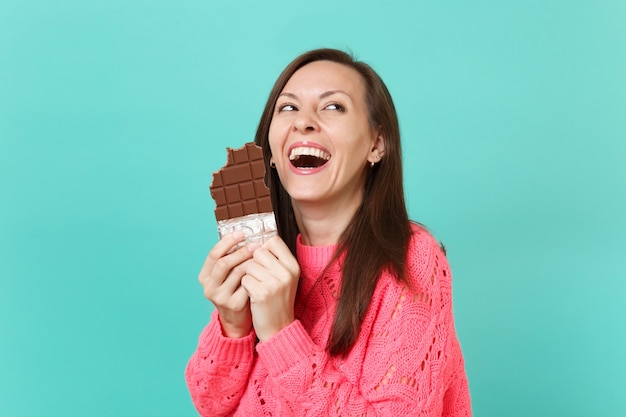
326,76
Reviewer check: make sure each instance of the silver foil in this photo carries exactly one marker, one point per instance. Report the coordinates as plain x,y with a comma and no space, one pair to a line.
257,228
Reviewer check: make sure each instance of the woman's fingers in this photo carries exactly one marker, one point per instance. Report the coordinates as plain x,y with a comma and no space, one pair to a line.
220,278
219,263
233,280
271,281
277,247
274,259
221,248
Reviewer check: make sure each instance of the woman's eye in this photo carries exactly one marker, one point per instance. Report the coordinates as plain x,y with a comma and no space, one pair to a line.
286,107
336,106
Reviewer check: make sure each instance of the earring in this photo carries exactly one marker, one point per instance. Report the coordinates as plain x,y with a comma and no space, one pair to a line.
272,163
372,163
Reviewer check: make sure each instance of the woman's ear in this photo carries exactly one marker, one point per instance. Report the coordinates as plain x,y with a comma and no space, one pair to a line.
378,147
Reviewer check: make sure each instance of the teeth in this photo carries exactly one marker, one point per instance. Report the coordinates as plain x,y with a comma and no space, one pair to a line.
300,151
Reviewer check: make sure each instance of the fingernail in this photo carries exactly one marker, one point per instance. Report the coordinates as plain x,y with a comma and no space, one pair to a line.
252,247
238,234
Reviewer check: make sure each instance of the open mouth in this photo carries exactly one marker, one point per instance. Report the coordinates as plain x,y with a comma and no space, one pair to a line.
308,158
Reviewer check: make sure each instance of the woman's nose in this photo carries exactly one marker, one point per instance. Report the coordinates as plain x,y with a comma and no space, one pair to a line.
306,122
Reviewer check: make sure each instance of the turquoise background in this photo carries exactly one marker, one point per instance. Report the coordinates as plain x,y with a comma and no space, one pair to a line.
113,115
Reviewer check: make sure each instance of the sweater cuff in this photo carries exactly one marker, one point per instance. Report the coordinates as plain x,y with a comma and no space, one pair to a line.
224,349
288,347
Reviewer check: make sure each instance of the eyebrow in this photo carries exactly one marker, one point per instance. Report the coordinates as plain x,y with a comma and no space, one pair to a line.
323,95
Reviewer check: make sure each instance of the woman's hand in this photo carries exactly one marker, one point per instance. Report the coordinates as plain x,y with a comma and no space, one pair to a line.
220,278
271,281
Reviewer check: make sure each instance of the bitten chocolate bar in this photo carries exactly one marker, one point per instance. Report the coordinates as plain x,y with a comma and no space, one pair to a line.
242,201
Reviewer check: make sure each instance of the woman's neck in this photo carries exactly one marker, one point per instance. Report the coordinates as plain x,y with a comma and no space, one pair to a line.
323,225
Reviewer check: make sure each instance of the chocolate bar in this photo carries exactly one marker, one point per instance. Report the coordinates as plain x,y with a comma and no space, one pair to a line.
242,201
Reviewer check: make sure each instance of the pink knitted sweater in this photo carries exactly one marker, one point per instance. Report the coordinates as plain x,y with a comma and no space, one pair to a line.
406,362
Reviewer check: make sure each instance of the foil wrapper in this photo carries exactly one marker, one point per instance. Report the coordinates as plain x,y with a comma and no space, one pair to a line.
257,228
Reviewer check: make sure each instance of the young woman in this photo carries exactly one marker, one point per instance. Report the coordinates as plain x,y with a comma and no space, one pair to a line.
349,311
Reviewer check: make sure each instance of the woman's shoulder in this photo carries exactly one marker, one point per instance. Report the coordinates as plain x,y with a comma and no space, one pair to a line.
425,287
423,244
426,263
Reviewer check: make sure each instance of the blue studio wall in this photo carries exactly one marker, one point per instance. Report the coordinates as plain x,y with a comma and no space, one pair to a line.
114,114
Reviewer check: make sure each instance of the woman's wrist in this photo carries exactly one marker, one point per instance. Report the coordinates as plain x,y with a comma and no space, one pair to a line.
234,330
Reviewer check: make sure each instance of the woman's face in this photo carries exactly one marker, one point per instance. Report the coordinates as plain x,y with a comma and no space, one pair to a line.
320,136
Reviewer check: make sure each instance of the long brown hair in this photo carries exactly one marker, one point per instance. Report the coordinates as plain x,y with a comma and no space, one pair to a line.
377,236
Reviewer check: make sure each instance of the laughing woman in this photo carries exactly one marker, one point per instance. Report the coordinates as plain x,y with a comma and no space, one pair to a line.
349,311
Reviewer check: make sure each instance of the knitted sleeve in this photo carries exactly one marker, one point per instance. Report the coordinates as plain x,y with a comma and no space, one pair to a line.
406,362
218,370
